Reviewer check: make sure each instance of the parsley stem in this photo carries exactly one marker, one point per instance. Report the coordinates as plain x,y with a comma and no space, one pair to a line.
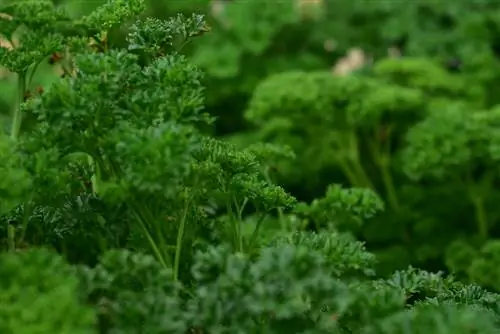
349,161
349,173
180,237
17,116
382,157
238,221
255,233
362,175
144,217
478,191
480,214
32,73
392,198
150,239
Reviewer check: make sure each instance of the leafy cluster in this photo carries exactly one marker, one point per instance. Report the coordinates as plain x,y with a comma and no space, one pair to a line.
414,122
398,131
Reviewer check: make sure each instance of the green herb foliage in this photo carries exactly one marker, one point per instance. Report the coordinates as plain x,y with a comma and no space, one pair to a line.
418,129
119,214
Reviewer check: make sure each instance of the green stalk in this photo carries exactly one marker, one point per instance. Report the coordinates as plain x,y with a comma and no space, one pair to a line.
351,165
241,208
356,162
33,72
365,181
382,160
349,174
17,114
180,237
238,221
143,216
14,134
234,226
478,192
480,213
255,233
17,118
156,251
147,223
389,187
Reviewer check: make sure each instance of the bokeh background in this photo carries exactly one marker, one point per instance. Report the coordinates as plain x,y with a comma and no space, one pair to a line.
368,93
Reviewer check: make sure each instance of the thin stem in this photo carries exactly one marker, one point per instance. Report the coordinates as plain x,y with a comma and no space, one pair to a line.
349,173
33,72
149,237
382,160
356,161
281,218
241,208
238,221
255,233
17,116
153,223
362,175
349,162
233,227
143,216
478,191
480,213
180,237
389,187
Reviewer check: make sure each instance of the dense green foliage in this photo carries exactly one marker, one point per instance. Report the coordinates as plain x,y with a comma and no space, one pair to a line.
269,79
120,212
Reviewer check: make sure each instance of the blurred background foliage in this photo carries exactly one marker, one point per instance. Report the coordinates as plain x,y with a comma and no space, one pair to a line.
398,96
